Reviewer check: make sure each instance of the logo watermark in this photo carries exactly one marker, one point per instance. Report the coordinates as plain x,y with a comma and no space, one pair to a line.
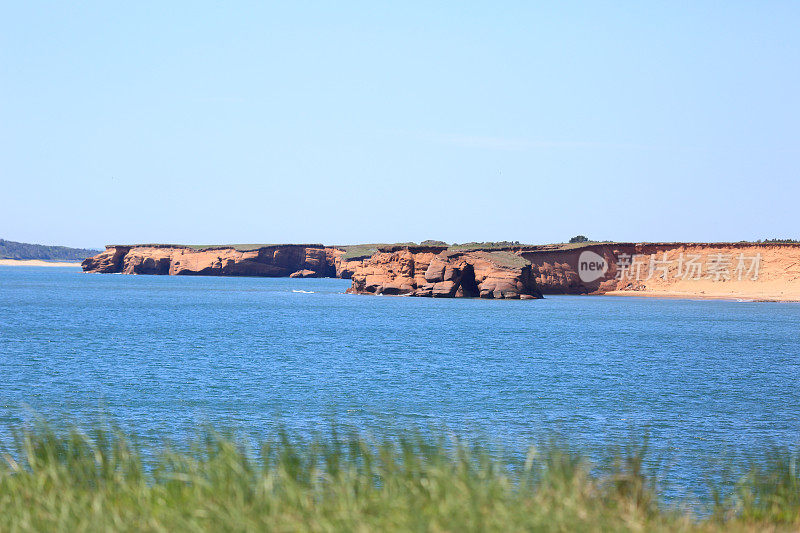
591,266
716,267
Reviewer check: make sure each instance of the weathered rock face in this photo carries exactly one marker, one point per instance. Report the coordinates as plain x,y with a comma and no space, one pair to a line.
268,261
704,270
556,270
513,272
107,262
343,268
435,272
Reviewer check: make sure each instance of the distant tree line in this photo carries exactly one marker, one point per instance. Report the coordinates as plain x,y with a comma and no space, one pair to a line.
777,241
22,250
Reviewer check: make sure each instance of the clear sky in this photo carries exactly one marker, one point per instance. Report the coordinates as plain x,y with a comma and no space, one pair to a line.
326,122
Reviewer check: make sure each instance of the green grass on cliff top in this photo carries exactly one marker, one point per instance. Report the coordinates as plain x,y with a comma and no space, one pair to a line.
507,259
358,251
102,480
237,247
363,251
352,251
501,258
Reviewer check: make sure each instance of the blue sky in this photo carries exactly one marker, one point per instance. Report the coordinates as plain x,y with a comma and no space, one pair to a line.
342,123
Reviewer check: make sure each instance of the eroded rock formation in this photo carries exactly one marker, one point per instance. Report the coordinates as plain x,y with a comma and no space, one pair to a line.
718,270
442,273
511,272
296,260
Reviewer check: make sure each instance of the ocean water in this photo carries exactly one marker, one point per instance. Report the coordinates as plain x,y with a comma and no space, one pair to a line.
702,380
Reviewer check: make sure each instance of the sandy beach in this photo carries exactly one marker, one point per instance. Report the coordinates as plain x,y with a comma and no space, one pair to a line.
778,277
740,297
36,263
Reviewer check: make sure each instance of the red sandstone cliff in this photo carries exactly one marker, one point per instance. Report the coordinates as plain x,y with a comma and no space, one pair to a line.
438,272
689,270
296,260
511,272
718,270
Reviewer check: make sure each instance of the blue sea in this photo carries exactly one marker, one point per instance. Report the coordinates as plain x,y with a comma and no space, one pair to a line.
699,380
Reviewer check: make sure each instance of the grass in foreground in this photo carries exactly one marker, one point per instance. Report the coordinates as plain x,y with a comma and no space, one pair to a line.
51,481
